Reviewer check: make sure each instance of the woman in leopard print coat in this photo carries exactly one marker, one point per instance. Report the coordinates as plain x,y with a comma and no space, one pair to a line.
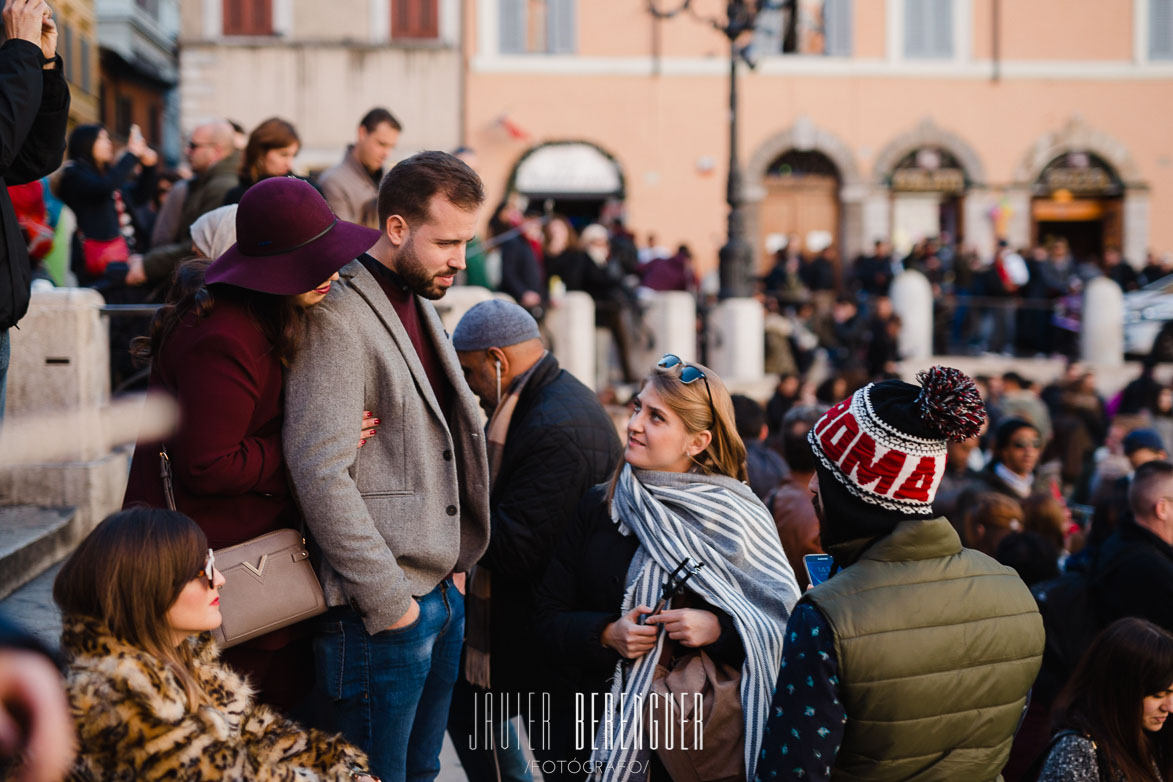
150,698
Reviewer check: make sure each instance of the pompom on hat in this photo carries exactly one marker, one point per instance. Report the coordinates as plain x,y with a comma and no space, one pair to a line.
885,444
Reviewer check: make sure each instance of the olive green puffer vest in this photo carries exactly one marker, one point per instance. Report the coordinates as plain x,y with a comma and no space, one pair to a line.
938,646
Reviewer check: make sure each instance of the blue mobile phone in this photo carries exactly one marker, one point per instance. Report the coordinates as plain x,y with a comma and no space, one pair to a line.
818,567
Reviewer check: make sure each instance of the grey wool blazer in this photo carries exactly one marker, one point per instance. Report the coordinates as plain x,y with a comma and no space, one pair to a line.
396,516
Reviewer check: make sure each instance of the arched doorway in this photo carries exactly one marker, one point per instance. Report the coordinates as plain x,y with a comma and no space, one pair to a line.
576,178
800,204
928,186
1079,197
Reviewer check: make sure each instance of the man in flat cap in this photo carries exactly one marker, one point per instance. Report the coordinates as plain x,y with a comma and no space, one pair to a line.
549,440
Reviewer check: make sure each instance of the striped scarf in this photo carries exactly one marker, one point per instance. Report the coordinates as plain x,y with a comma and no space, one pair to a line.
716,520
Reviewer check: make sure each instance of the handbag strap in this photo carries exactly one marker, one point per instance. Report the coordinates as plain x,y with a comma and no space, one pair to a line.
166,476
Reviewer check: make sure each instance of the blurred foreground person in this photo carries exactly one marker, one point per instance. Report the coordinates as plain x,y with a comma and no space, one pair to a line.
37,742
150,698
794,515
1111,717
220,346
871,652
679,493
549,441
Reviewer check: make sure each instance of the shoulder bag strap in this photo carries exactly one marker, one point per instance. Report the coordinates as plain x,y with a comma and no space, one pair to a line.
166,476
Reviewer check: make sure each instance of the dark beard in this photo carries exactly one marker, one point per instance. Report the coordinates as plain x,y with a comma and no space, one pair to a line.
408,266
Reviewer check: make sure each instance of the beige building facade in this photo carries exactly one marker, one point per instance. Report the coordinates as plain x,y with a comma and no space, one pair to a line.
862,119
321,65
77,43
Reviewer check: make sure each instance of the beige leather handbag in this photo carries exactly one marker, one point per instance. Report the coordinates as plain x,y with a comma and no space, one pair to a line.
269,584
269,581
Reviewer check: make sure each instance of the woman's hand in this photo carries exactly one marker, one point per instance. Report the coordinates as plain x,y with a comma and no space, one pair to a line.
629,638
689,626
368,427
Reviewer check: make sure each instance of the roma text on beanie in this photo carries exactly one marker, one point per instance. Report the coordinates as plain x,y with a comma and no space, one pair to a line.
885,444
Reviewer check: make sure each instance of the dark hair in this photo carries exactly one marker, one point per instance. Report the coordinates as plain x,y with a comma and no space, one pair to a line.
796,449
1033,557
81,143
1143,492
273,133
498,224
128,573
280,318
749,415
1007,429
376,117
408,188
1130,659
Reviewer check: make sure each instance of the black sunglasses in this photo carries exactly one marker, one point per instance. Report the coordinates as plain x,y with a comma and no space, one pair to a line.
208,571
688,374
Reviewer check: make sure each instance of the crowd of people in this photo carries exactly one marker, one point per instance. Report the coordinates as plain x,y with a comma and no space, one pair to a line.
989,594
1015,303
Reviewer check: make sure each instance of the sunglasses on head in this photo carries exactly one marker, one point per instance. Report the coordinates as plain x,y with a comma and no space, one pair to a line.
688,374
208,571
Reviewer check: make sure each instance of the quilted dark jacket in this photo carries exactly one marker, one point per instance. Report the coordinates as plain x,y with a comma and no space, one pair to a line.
560,443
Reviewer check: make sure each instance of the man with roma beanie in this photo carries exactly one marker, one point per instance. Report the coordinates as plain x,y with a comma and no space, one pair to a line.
914,660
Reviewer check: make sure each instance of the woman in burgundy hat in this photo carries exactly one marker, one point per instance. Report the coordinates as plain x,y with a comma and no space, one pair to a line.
220,346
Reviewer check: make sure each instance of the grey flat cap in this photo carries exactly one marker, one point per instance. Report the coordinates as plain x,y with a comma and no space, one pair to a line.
494,324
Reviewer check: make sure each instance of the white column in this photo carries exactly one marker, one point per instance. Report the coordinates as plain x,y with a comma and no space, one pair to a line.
1136,226
571,326
1018,226
876,217
1101,336
670,317
737,340
912,300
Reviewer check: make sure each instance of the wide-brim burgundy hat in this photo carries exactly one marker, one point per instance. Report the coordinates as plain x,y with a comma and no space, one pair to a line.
288,241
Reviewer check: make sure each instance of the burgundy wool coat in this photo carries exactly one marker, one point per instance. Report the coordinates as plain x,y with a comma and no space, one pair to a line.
227,459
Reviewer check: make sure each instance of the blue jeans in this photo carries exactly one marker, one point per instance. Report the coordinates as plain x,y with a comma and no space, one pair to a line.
389,693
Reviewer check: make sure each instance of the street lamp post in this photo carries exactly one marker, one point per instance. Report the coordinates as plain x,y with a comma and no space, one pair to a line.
735,256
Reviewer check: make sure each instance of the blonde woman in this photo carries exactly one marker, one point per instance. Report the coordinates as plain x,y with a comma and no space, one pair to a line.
680,492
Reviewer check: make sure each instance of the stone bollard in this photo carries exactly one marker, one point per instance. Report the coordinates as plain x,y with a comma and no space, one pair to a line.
1101,332
912,300
571,326
736,341
669,321
61,362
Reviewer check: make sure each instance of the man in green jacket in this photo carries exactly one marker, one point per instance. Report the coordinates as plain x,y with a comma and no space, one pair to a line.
914,660
216,162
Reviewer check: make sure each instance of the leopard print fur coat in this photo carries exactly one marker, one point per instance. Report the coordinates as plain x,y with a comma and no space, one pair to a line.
134,723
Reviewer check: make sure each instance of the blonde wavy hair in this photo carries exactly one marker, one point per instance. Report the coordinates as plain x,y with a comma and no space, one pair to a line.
725,454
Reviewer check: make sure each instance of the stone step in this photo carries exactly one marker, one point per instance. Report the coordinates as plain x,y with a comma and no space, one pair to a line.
32,539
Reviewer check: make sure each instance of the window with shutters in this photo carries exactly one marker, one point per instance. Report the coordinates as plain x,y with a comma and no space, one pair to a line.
818,27
537,26
248,17
1161,29
415,19
928,29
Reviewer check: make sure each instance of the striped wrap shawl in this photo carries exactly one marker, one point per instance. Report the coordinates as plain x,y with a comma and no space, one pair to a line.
716,520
